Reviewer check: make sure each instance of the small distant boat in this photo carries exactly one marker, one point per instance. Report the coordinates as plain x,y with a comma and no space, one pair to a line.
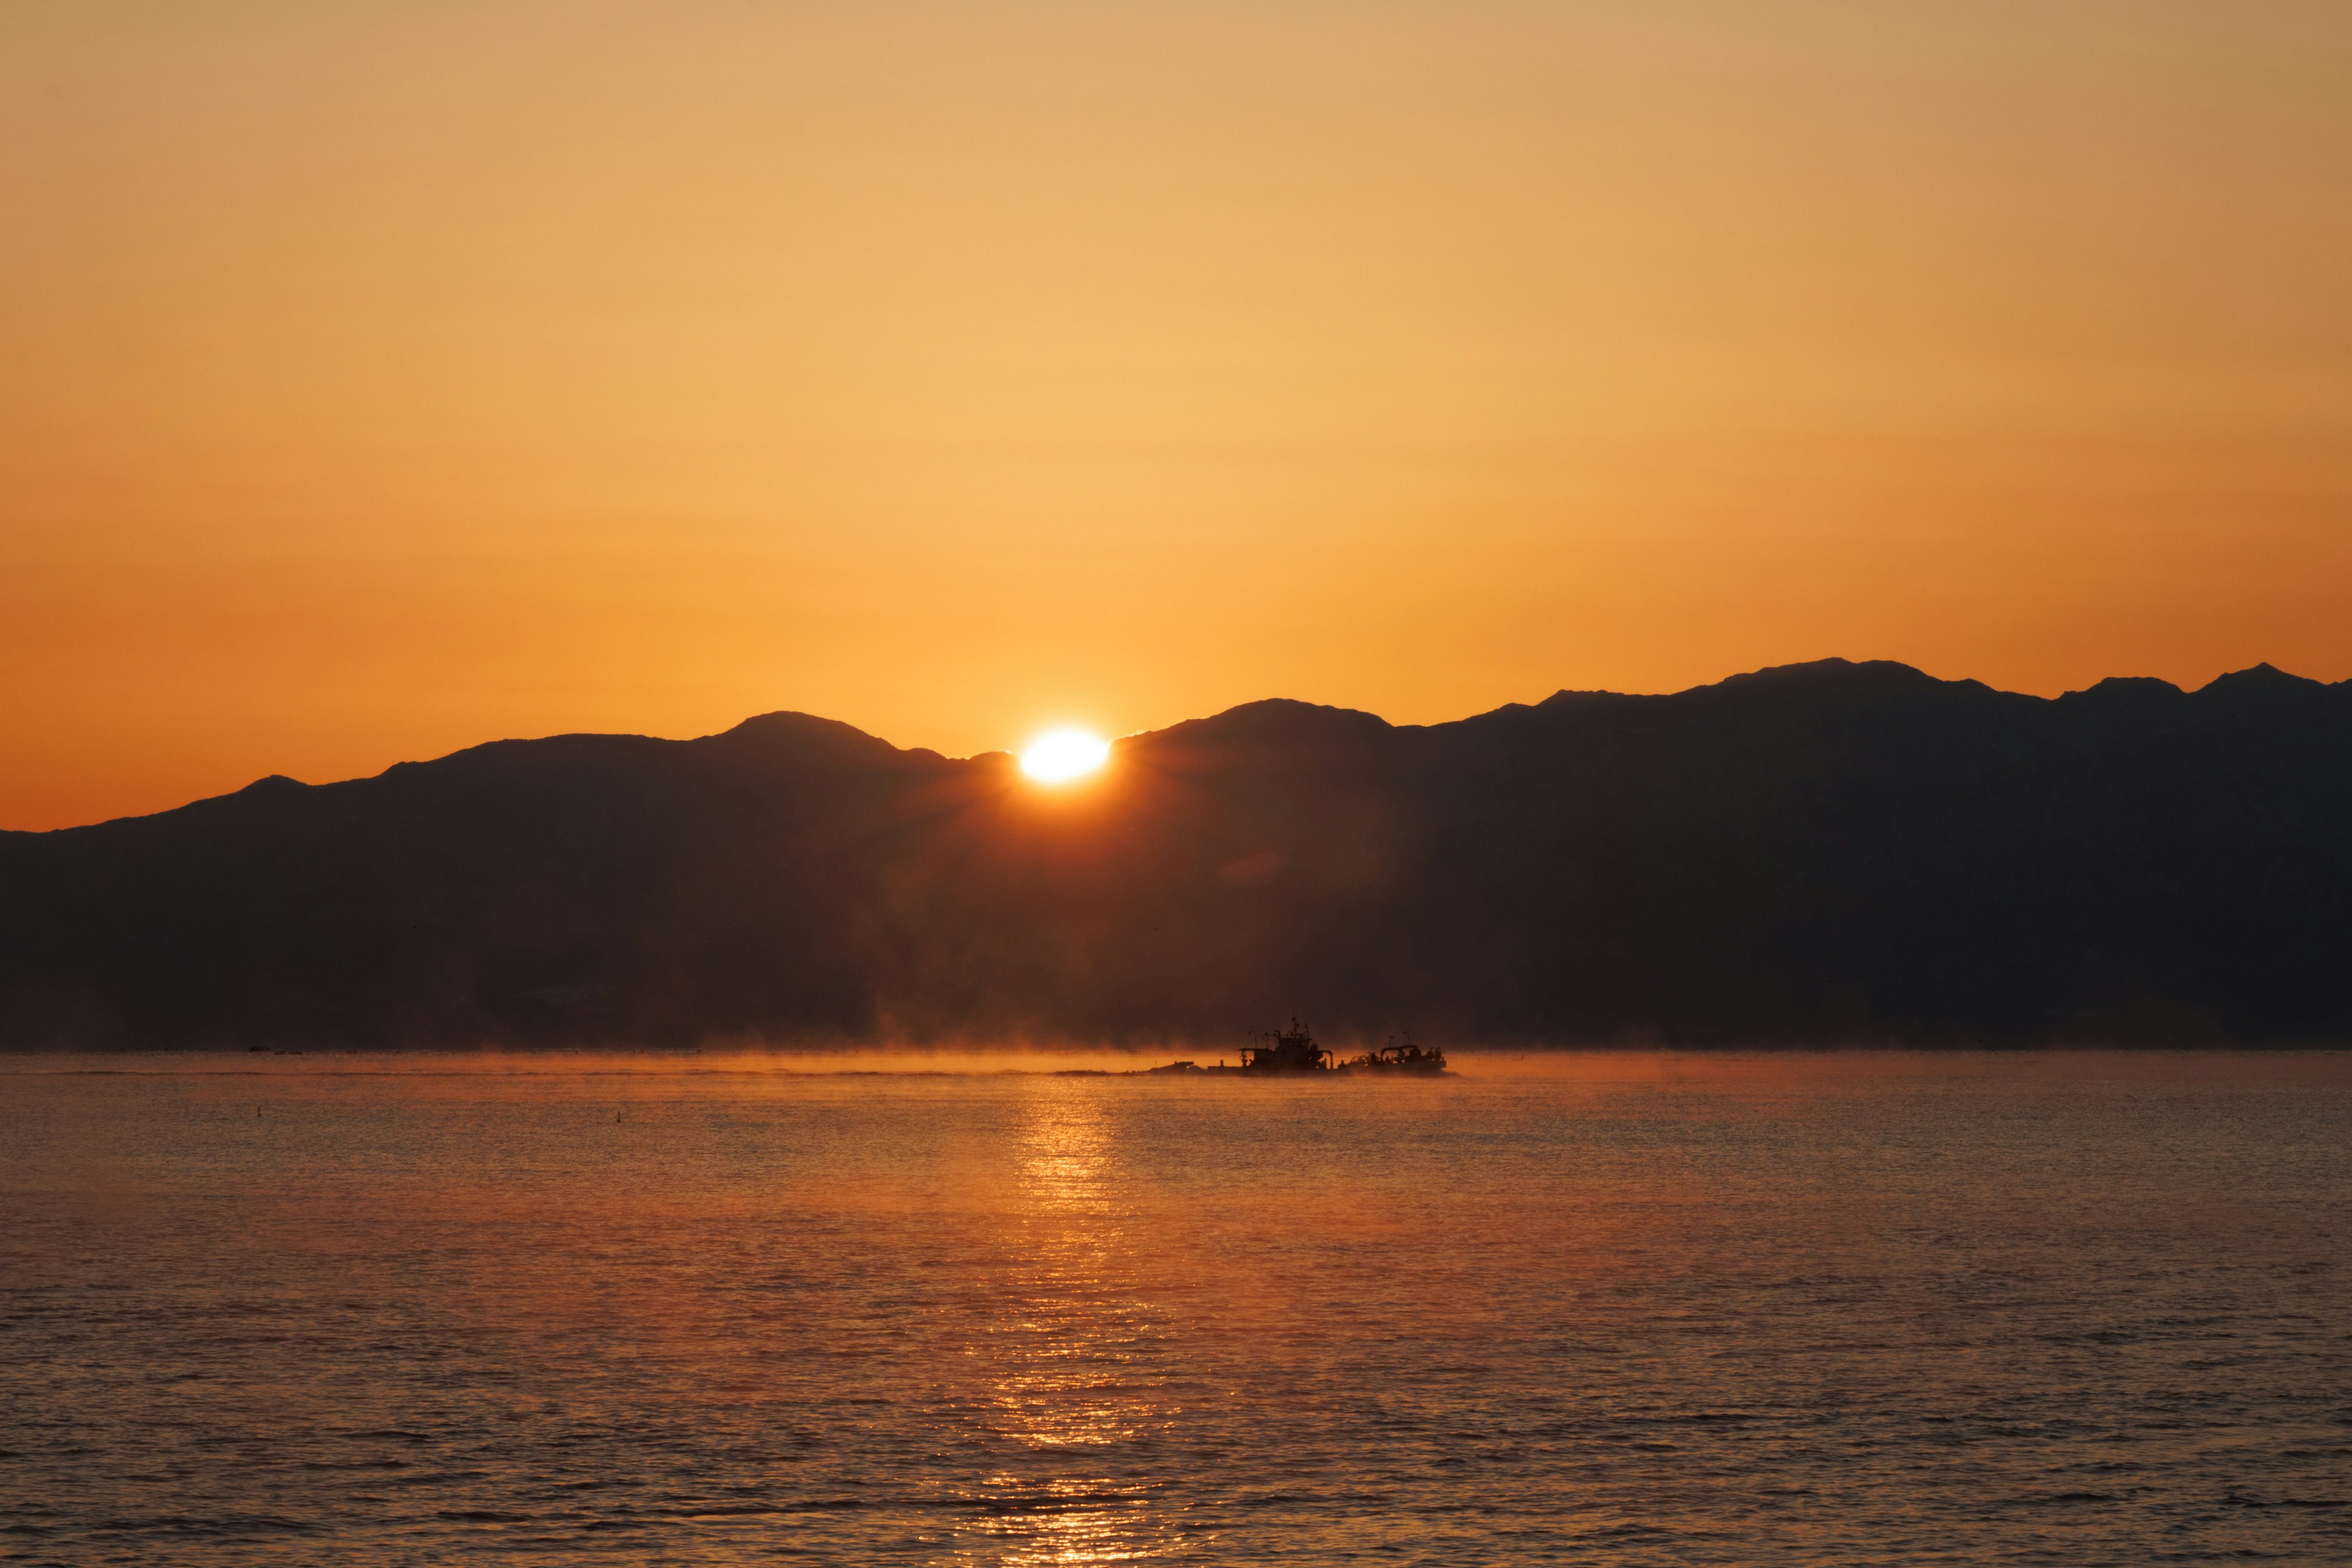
1407,1058
1295,1050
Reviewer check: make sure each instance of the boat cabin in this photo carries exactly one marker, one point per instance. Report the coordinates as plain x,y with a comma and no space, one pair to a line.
1287,1050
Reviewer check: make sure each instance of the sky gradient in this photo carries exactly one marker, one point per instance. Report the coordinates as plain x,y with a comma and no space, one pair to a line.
376,380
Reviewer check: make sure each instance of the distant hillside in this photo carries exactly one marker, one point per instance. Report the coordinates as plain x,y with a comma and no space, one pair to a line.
1824,853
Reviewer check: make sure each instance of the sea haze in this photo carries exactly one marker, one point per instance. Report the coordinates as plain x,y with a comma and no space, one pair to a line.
1847,1308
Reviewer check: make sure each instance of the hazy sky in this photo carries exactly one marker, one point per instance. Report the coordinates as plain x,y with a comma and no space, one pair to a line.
379,379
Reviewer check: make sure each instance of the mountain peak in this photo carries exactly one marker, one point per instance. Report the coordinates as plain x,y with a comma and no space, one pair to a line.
1278,719
1833,673
2125,693
803,736
2260,680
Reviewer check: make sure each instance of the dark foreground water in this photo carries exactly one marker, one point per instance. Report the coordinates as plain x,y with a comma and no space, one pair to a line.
1624,1310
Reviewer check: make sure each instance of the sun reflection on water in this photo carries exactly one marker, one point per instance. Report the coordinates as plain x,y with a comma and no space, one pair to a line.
1071,1353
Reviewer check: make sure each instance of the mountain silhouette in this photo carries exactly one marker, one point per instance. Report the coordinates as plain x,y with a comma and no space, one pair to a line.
1828,853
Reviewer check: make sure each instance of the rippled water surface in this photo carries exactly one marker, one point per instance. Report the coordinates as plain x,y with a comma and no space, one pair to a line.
1621,1309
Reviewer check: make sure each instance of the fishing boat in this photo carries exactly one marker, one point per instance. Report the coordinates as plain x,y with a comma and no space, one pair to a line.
1295,1050
1406,1057
1287,1050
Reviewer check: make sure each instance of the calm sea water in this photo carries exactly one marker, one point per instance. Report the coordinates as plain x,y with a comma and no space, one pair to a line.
1617,1309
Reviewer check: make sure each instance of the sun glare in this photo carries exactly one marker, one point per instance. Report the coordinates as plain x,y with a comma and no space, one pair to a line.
1060,755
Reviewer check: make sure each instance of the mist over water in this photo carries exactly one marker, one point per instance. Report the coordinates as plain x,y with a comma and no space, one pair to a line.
1849,1307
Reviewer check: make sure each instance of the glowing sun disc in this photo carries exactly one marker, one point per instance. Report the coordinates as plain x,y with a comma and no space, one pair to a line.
1060,755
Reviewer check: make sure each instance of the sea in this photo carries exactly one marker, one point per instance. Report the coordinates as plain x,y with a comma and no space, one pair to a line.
1001,1307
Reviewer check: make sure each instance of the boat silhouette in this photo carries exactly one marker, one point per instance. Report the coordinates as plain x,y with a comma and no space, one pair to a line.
1295,1050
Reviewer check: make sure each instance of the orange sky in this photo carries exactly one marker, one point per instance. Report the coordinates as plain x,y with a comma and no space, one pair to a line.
379,379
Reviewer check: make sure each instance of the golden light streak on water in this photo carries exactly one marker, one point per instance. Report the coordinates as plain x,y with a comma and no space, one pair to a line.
1071,1357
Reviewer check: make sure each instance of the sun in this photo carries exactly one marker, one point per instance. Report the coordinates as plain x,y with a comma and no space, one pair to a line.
1057,756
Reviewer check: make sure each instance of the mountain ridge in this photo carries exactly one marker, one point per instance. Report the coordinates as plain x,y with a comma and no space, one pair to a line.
1836,852
757,723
